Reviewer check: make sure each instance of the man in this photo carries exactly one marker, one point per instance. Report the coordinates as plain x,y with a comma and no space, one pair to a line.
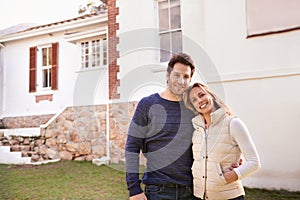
161,128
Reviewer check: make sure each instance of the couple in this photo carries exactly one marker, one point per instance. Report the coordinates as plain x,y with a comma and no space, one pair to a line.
191,141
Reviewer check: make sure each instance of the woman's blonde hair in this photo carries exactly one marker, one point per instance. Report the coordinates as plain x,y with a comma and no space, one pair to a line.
217,101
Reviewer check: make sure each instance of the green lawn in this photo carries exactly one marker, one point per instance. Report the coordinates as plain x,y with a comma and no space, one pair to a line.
84,180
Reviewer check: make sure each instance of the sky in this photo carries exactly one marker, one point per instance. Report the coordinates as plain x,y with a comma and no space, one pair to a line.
13,12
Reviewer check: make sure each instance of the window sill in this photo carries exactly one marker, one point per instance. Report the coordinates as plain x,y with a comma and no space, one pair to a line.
43,92
92,69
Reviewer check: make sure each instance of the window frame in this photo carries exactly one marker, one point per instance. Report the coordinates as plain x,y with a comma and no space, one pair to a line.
41,68
91,56
37,67
169,31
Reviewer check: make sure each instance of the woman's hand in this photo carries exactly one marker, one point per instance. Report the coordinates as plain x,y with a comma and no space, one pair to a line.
230,176
236,165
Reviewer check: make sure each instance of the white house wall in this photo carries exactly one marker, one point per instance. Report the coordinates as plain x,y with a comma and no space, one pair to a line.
258,77
272,119
16,78
139,46
226,43
139,50
1,79
75,86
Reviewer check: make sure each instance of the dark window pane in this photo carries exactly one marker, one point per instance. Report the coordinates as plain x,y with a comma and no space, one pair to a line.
50,56
175,17
44,56
49,83
176,42
46,78
163,16
165,47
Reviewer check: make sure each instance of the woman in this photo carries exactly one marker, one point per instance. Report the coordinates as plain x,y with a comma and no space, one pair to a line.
219,139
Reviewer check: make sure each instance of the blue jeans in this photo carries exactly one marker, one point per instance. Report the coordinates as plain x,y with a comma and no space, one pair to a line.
237,198
162,192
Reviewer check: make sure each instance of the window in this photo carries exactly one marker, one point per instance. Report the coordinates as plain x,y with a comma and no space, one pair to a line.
94,53
46,67
43,65
269,16
170,33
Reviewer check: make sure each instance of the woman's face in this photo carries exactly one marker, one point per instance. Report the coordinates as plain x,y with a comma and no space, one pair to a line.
201,100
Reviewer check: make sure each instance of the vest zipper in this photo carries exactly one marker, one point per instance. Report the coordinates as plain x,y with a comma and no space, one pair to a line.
206,156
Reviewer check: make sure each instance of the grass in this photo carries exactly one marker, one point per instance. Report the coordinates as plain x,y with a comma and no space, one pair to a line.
84,180
62,180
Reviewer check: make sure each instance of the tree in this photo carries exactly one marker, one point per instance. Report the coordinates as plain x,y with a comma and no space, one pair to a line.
93,8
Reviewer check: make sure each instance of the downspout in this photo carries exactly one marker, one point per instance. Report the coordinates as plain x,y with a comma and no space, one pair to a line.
2,46
107,105
107,132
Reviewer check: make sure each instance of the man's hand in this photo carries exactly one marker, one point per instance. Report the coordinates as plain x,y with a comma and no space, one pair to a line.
236,165
141,196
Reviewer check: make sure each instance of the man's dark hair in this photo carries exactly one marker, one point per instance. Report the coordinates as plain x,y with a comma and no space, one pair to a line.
182,58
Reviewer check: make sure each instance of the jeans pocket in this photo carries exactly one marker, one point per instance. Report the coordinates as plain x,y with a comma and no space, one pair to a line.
153,189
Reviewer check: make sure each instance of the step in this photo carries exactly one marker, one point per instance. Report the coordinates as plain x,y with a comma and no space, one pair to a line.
14,158
4,149
8,157
27,132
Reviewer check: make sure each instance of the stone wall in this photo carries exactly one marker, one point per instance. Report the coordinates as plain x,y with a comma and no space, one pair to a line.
120,115
79,133
24,121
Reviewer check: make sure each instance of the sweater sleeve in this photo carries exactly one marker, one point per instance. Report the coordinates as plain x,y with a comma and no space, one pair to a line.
132,151
241,135
134,145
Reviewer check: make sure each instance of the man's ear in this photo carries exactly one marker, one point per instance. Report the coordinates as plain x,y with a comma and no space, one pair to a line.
167,77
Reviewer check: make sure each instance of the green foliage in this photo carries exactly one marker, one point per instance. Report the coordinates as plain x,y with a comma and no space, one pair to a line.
92,8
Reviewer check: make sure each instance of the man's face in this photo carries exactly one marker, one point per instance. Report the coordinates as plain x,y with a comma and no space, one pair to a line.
179,79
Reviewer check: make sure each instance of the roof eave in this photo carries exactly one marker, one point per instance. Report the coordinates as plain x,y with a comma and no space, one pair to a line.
54,27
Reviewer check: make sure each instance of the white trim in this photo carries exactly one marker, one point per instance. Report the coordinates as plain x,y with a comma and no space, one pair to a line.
254,75
45,162
42,92
27,132
72,37
53,118
92,69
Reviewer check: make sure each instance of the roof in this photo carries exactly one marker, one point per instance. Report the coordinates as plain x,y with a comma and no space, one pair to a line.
16,28
60,22
19,32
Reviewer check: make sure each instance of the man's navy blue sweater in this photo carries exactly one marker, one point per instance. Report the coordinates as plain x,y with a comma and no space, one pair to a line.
162,130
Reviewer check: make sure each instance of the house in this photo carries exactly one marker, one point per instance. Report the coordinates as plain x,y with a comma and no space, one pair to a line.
45,70
83,112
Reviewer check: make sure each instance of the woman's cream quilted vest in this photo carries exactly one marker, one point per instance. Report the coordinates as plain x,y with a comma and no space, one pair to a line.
213,155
